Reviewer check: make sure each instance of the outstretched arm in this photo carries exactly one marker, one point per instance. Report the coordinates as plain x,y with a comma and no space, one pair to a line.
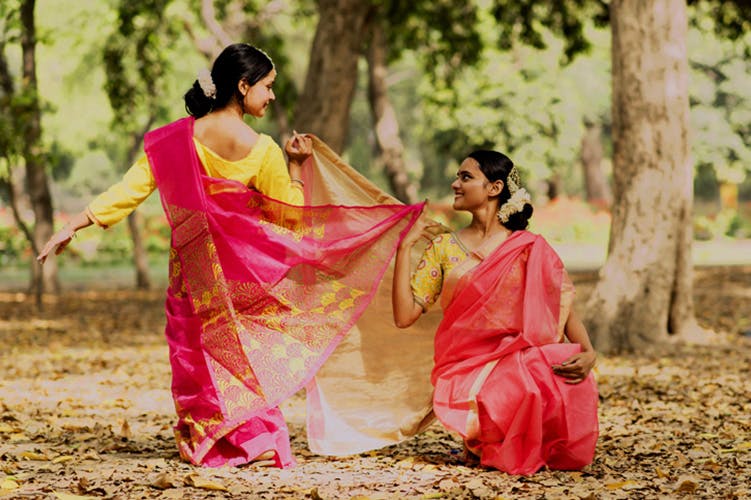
577,367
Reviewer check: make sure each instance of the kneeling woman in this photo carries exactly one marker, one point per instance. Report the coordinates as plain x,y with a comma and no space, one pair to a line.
505,378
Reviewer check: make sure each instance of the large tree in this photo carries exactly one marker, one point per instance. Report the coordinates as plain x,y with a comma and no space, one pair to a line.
645,287
389,146
22,110
444,36
136,59
324,103
346,31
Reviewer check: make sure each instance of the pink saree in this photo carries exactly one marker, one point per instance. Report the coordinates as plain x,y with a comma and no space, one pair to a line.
494,384
260,294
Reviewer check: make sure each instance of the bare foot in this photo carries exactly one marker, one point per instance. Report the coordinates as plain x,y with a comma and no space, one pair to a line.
265,459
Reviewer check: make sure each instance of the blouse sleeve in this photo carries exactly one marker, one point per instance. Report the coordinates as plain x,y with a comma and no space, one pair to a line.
273,178
121,199
427,280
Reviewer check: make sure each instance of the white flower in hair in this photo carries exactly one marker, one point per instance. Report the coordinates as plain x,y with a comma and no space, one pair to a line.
514,204
206,83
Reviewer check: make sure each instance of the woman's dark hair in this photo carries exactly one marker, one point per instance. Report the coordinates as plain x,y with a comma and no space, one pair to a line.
496,167
237,62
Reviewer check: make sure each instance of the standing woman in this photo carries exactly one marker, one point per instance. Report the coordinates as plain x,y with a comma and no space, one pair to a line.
212,152
505,378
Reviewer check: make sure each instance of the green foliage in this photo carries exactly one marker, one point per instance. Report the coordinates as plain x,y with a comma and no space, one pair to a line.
568,220
728,223
528,21
444,32
730,19
136,61
520,101
93,172
720,101
12,244
17,102
284,32
61,161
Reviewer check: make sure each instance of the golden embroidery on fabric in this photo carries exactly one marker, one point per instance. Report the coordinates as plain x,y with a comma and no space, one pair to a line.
280,331
220,330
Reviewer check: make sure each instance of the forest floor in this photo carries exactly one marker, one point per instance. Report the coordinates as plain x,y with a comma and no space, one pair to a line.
86,412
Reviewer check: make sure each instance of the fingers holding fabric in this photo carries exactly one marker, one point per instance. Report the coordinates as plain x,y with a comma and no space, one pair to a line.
425,228
299,147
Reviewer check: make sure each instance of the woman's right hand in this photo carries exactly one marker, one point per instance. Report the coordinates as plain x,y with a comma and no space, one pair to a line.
423,228
576,368
299,147
57,242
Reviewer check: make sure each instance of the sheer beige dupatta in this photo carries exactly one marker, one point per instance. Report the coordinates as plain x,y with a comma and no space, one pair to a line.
374,390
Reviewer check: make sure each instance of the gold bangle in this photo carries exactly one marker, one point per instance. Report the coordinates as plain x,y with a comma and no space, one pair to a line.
298,181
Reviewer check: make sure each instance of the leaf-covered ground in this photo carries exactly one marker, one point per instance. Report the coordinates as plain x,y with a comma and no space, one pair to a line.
85,411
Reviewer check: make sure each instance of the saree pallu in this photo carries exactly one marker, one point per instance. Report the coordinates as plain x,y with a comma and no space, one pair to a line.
260,295
494,350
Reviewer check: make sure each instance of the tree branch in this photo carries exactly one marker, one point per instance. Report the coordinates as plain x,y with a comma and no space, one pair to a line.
208,14
8,185
206,46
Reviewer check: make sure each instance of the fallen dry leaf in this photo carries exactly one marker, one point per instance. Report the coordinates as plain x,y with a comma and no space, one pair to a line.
8,484
125,431
686,485
195,480
61,495
32,455
97,360
165,481
7,429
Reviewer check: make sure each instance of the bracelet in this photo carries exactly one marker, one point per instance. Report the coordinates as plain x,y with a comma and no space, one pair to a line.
299,181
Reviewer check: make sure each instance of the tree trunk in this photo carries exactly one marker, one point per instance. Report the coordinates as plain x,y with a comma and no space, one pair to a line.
554,185
390,147
135,219
44,278
14,193
644,293
323,106
140,260
595,183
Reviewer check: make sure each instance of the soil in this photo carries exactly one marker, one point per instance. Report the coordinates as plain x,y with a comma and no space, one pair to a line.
86,412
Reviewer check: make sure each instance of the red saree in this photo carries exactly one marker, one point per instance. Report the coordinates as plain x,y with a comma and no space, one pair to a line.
493,354
260,294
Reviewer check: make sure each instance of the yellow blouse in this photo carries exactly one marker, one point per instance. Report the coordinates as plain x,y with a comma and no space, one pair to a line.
446,252
264,169
441,255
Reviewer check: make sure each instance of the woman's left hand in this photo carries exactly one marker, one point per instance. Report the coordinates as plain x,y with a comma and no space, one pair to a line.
56,243
299,147
576,368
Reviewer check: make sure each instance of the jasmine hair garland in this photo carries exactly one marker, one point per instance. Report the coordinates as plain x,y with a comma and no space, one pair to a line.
206,83
519,197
